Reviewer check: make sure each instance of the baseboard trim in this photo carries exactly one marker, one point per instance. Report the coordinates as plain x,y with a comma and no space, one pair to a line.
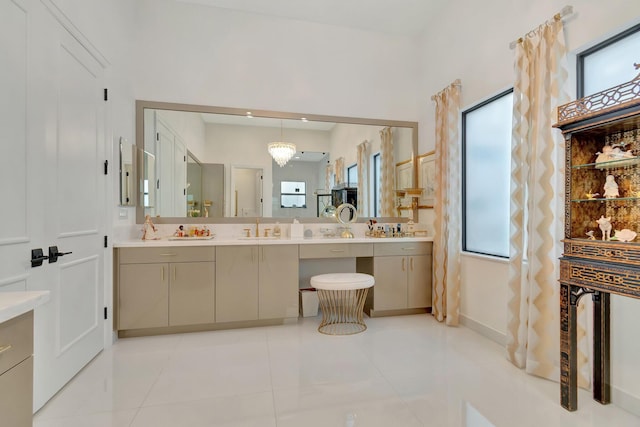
625,401
483,330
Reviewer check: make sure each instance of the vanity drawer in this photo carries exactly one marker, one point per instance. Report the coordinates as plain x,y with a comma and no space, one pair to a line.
16,341
336,250
167,254
402,248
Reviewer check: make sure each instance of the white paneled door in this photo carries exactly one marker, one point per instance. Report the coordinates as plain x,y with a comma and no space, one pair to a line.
52,186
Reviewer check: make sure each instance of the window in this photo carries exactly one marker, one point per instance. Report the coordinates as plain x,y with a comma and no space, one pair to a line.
376,184
352,175
293,194
609,63
486,169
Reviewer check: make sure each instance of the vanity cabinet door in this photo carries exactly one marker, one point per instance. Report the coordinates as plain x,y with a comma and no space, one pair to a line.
278,289
191,293
143,296
16,395
419,281
236,296
390,289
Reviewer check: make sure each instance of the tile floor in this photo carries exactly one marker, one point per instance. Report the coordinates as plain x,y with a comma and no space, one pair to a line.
402,371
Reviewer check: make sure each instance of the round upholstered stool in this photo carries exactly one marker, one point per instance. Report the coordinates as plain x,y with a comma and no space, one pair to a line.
342,297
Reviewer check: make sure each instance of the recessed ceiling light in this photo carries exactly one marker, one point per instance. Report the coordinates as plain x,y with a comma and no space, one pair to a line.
249,115
304,119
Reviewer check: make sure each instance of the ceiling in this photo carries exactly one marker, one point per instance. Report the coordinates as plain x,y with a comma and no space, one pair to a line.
404,17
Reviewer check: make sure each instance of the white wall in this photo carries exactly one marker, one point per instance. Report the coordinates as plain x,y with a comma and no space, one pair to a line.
194,54
470,41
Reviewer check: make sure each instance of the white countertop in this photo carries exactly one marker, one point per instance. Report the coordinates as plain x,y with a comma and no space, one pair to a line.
13,304
263,241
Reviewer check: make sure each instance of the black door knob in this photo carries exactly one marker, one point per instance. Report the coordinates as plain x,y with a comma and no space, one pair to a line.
37,256
54,254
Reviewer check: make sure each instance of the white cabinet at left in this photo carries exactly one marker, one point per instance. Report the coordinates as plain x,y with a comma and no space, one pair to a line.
165,286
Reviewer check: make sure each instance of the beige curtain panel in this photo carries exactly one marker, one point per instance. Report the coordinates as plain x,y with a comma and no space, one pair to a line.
537,206
339,170
387,173
364,153
447,207
328,178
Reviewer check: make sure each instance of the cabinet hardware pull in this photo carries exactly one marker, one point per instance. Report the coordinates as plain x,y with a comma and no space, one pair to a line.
403,260
174,273
162,273
337,250
169,254
408,249
5,348
411,264
262,252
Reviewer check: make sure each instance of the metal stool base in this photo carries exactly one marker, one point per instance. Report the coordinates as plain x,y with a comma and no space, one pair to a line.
342,311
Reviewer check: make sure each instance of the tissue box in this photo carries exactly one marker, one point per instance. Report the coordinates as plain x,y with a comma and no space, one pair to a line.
297,231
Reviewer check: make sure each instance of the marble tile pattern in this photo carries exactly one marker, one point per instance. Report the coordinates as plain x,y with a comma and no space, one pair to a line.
402,371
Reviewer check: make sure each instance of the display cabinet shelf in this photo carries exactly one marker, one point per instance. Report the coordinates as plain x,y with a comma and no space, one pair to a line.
603,200
612,164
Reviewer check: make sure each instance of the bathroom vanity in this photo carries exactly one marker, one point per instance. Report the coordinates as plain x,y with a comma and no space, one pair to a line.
167,286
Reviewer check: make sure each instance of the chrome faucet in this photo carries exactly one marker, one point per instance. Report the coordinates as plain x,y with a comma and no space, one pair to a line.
257,227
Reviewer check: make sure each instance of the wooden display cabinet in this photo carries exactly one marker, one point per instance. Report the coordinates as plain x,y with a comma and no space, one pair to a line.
598,267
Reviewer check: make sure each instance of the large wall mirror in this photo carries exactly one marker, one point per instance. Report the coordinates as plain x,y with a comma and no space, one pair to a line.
209,164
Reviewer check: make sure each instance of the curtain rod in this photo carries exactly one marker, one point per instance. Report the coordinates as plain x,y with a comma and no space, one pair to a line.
457,82
567,10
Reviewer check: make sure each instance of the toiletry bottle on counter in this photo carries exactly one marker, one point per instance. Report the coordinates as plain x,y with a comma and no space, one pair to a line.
276,230
297,230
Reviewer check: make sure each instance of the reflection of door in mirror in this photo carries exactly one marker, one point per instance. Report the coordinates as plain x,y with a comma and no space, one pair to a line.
171,156
127,157
195,206
247,191
212,190
146,164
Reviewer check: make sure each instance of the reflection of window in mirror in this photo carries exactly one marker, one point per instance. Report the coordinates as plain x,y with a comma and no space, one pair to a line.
376,185
352,175
293,194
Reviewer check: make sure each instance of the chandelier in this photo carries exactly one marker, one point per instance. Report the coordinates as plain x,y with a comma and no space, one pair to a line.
281,152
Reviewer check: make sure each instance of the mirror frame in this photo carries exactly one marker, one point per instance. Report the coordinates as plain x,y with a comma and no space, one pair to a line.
141,105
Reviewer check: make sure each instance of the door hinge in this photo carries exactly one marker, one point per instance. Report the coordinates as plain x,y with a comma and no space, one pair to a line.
106,241
106,94
106,167
157,136
105,314
184,191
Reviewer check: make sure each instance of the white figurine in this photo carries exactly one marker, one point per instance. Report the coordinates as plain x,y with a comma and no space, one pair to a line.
611,188
605,155
624,235
149,230
590,234
605,227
